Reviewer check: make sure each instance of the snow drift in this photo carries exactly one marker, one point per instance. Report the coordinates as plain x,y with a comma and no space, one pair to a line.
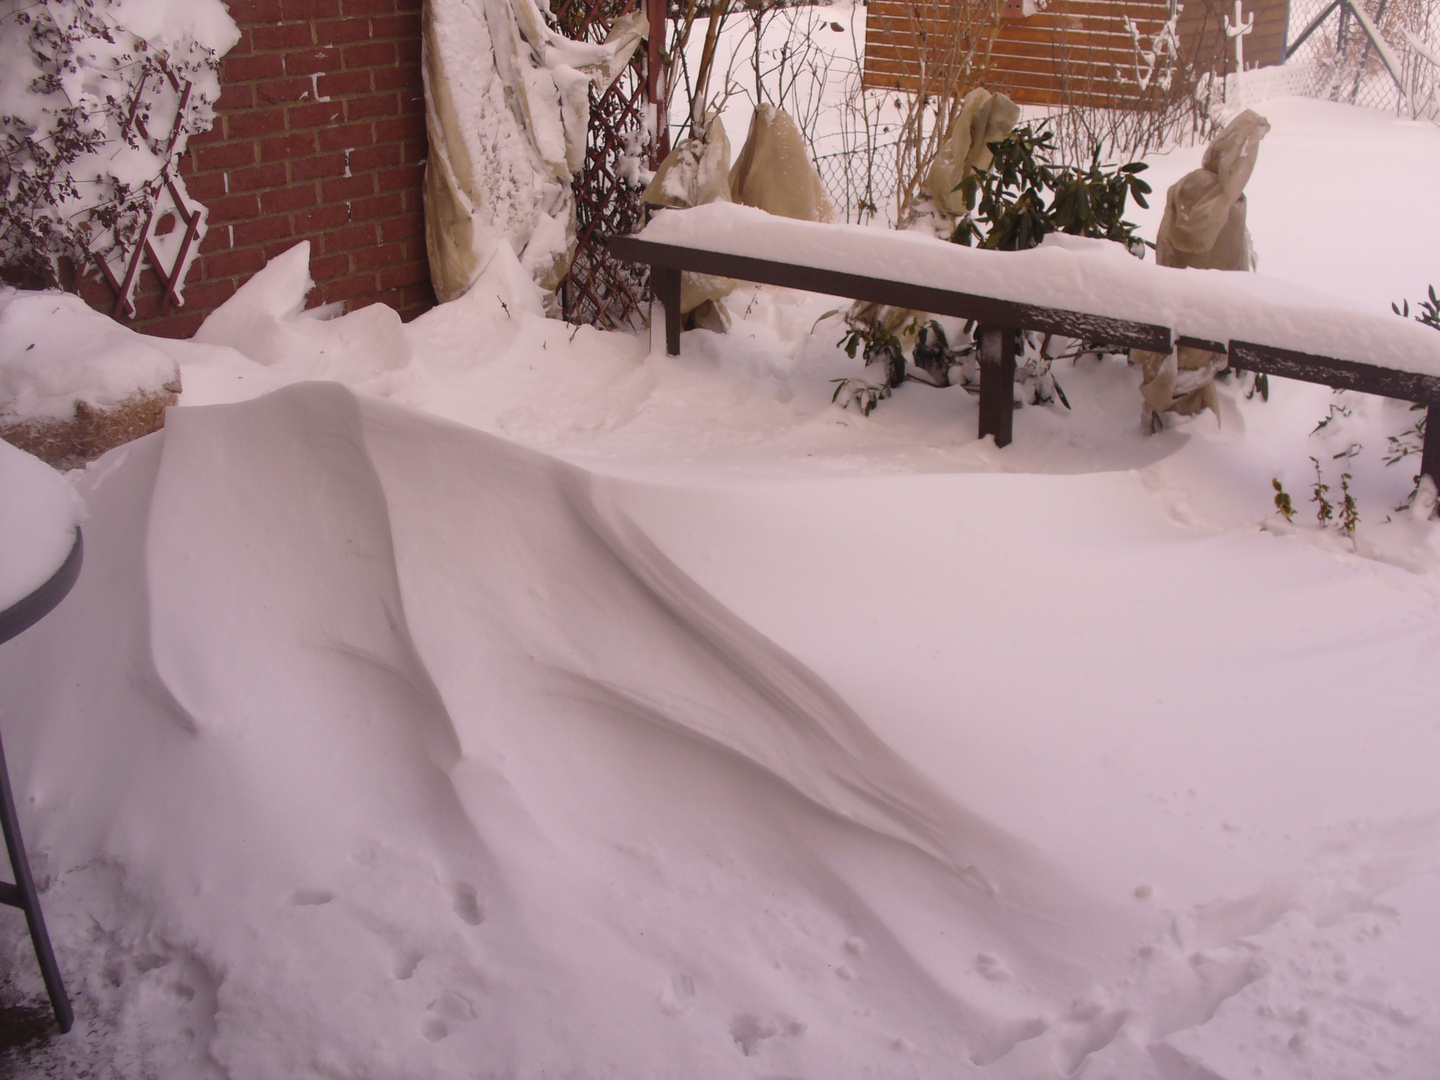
385,781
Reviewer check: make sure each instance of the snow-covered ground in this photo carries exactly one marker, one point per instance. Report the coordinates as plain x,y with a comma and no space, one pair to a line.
520,701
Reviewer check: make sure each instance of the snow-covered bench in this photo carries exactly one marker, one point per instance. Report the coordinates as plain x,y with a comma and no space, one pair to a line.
1086,289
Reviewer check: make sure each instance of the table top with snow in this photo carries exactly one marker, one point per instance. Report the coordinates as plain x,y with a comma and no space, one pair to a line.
1095,277
39,512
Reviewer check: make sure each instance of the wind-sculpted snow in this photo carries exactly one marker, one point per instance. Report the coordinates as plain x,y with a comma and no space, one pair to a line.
371,745
406,791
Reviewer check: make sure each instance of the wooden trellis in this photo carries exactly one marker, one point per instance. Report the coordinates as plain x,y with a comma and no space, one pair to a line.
599,289
167,249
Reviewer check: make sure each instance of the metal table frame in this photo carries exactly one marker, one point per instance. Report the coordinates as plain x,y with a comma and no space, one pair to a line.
14,620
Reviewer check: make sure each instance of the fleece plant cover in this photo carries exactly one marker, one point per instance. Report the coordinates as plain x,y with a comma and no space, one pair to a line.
507,106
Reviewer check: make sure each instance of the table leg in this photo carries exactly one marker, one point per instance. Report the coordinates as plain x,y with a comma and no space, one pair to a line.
997,382
22,895
666,284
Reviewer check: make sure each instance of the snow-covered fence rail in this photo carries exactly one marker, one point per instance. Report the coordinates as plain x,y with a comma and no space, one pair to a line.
1091,290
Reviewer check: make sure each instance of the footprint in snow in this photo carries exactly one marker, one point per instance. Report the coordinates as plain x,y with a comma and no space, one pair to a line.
467,905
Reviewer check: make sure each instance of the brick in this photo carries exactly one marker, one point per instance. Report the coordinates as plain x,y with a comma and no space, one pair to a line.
370,54
402,227
225,155
234,96
272,175
350,237
376,256
345,136
378,207
233,208
419,298
400,128
340,31
394,78
233,263
415,248
414,151
314,114
261,229
329,267
244,46
407,52
314,168
338,84
278,247
246,12
311,9
186,322
347,287
375,157
322,218
296,144
402,274
311,61
404,24
215,134
414,200
371,105
274,38
403,176
206,295
255,122
347,188
368,7
216,239
284,200
284,91
206,186
251,68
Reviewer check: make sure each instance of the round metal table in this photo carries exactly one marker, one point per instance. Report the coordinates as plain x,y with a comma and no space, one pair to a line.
14,620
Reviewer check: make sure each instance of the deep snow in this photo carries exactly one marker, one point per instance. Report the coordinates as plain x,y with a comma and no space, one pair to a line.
538,704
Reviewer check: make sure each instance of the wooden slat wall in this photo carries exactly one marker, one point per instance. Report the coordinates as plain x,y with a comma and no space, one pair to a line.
1075,51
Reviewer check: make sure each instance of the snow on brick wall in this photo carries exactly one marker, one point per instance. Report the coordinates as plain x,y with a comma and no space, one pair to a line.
319,135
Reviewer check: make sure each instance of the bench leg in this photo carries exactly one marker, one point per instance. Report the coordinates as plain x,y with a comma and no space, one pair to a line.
997,382
666,285
1430,454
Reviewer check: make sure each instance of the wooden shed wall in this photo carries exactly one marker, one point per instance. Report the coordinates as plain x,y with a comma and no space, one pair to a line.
1075,51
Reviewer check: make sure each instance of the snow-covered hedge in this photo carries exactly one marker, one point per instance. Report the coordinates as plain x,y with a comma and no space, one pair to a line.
90,93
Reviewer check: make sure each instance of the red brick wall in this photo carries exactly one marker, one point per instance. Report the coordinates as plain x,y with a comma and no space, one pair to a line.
320,136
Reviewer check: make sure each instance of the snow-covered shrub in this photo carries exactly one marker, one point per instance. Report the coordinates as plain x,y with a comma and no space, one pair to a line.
1411,441
1023,197
98,99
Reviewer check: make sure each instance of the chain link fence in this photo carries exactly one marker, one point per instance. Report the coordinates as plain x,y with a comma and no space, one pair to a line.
1400,74
861,182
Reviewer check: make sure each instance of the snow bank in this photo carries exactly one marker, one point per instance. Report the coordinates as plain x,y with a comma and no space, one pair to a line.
266,321
56,351
379,745
370,744
416,756
1072,273
38,515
